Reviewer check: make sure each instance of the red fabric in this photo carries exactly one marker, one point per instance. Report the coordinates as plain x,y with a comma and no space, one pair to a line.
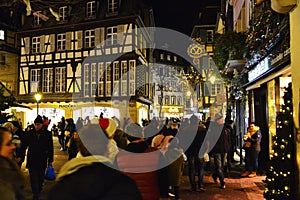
147,182
104,122
46,122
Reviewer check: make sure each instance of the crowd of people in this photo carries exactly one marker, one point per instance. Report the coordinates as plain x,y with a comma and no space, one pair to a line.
137,162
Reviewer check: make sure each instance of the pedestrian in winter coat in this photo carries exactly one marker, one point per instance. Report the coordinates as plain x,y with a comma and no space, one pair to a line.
12,182
61,133
141,163
219,141
252,148
174,156
195,161
39,155
92,176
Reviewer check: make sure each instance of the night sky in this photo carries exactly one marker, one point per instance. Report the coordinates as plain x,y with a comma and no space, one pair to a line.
179,15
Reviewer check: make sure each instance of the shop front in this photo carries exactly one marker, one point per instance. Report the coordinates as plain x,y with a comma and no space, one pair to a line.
119,110
267,83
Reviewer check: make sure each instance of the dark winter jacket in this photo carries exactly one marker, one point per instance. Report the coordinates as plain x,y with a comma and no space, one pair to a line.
194,148
219,138
40,148
93,179
12,183
254,139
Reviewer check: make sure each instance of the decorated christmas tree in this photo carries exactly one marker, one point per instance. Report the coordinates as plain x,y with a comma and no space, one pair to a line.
280,177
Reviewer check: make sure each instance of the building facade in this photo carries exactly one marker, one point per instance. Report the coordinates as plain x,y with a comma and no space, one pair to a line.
85,58
170,86
210,94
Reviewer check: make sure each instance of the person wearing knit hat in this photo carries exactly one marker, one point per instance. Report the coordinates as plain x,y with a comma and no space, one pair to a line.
38,120
40,154
109,125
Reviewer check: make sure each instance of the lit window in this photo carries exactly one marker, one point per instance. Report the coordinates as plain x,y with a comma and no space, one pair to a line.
167,100
2,35
173,100
132,69
47,80
35,75
36,45
86,76
116,75
175,58
168,57
90,79
61,41
60,79
91,9
161,56
112,36
101,76
89,38
124,78
108,79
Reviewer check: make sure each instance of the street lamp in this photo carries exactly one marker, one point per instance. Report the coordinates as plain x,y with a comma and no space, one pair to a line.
37,97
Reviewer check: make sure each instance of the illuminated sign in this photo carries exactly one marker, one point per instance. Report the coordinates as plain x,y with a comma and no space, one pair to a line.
259,69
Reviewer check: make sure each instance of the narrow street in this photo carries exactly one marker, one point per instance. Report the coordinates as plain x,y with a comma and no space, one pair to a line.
236,188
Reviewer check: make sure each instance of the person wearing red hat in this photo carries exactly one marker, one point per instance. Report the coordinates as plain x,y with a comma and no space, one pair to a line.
110,126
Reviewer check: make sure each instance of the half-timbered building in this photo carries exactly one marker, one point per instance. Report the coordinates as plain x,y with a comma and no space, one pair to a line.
86,57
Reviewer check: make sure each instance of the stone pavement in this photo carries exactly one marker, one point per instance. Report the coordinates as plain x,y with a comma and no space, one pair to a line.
236,188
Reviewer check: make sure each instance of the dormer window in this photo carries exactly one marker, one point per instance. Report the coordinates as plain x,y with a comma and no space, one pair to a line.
91,9
113,6
36,18
161,56
63,13
168,57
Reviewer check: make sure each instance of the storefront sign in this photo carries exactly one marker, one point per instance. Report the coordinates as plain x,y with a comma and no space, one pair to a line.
67,105
259,69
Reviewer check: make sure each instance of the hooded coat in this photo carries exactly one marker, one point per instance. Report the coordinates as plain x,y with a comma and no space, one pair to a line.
93,178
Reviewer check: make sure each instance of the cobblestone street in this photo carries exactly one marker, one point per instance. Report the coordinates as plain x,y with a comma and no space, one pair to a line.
236,188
